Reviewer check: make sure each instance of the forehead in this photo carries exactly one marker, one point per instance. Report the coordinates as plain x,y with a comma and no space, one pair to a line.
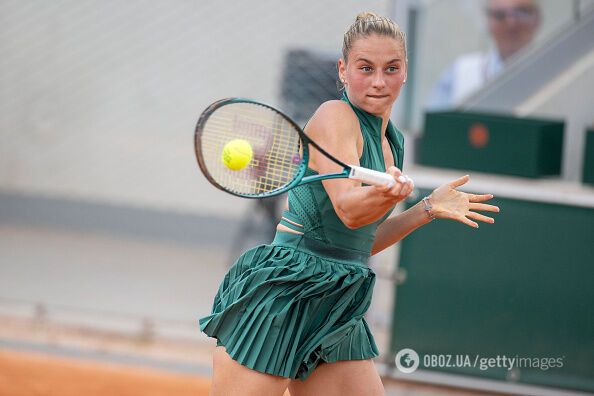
377,48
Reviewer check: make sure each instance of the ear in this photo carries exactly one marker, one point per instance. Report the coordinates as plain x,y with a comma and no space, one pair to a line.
405,70
341,66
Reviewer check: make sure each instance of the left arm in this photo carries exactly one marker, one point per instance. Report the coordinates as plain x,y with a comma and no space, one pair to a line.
447,202
396,228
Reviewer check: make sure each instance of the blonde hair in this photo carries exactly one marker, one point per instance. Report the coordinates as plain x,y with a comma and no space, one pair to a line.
368,23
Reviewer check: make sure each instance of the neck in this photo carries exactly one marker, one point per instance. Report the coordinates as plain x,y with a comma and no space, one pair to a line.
385,119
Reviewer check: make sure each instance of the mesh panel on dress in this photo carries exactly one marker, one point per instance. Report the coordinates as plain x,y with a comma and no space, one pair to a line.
302,202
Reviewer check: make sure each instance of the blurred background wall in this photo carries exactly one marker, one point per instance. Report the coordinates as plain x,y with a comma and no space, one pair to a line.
89,86
99,98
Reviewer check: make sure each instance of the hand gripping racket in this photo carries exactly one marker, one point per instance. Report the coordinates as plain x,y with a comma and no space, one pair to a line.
271,151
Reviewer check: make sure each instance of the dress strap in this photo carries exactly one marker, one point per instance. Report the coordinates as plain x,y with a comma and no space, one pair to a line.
291,221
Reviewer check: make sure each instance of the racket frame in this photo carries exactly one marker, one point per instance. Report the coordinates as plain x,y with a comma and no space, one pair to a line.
347,172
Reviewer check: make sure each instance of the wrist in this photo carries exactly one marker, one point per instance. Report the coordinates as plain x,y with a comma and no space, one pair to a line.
428,208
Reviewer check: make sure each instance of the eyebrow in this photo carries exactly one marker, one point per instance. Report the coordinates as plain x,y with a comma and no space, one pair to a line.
368,61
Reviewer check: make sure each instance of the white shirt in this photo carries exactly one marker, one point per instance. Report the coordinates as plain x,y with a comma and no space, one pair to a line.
463,77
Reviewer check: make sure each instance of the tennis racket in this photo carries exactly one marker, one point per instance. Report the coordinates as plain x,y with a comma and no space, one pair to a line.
277,151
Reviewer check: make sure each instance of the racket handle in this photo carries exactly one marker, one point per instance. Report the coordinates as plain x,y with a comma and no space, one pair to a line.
369,176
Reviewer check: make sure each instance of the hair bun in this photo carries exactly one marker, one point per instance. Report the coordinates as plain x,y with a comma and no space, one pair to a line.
366,15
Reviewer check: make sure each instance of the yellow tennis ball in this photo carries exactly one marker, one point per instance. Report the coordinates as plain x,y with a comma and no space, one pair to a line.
237,153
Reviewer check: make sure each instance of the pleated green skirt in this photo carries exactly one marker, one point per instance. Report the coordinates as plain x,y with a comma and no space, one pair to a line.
284,308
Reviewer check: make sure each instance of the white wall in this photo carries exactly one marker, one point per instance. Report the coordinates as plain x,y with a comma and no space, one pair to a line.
99,99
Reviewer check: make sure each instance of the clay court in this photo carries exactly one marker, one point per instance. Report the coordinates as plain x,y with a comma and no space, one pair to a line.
31,374
35,374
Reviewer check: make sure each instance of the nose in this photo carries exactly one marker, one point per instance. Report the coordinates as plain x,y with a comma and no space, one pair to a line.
378,80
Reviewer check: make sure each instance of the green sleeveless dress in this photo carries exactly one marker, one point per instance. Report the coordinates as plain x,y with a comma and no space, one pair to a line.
286,307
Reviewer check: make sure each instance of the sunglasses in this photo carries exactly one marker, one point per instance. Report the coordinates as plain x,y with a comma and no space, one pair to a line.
520,14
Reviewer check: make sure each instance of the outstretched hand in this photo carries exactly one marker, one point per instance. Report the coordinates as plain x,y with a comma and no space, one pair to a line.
449,203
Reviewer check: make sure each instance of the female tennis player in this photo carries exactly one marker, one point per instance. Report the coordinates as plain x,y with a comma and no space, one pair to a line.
291,314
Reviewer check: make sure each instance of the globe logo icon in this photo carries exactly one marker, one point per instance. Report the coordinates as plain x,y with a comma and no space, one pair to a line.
407,360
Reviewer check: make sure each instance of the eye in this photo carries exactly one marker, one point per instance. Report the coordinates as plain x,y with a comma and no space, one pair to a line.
393,69
366,69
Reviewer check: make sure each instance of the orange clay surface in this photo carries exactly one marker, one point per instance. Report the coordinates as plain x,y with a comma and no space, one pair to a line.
26,374
36,374
32,374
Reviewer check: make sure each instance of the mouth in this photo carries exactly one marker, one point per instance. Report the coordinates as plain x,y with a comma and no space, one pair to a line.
378,96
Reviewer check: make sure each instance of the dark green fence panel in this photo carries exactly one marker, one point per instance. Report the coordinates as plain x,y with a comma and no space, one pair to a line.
523,286
492,143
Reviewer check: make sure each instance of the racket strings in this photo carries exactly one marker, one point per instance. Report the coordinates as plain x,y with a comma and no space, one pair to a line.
276,147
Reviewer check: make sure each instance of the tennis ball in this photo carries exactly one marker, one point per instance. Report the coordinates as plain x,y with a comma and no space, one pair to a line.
237,153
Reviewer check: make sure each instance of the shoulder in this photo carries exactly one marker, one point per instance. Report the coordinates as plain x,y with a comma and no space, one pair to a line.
334,115
335,110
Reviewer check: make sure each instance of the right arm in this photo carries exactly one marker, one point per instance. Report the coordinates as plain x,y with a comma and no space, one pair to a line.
336,129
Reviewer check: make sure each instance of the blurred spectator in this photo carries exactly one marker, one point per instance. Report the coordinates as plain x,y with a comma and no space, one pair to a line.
512,25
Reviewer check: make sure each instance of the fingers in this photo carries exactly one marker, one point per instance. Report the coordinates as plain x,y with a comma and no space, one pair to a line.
458,182
461,206
479,198
396,174
385,188
394,190
403,186
480,217
483,207
399,176
409,186
467,221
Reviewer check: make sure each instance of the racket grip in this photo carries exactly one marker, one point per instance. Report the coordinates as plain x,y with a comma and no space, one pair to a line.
369,176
